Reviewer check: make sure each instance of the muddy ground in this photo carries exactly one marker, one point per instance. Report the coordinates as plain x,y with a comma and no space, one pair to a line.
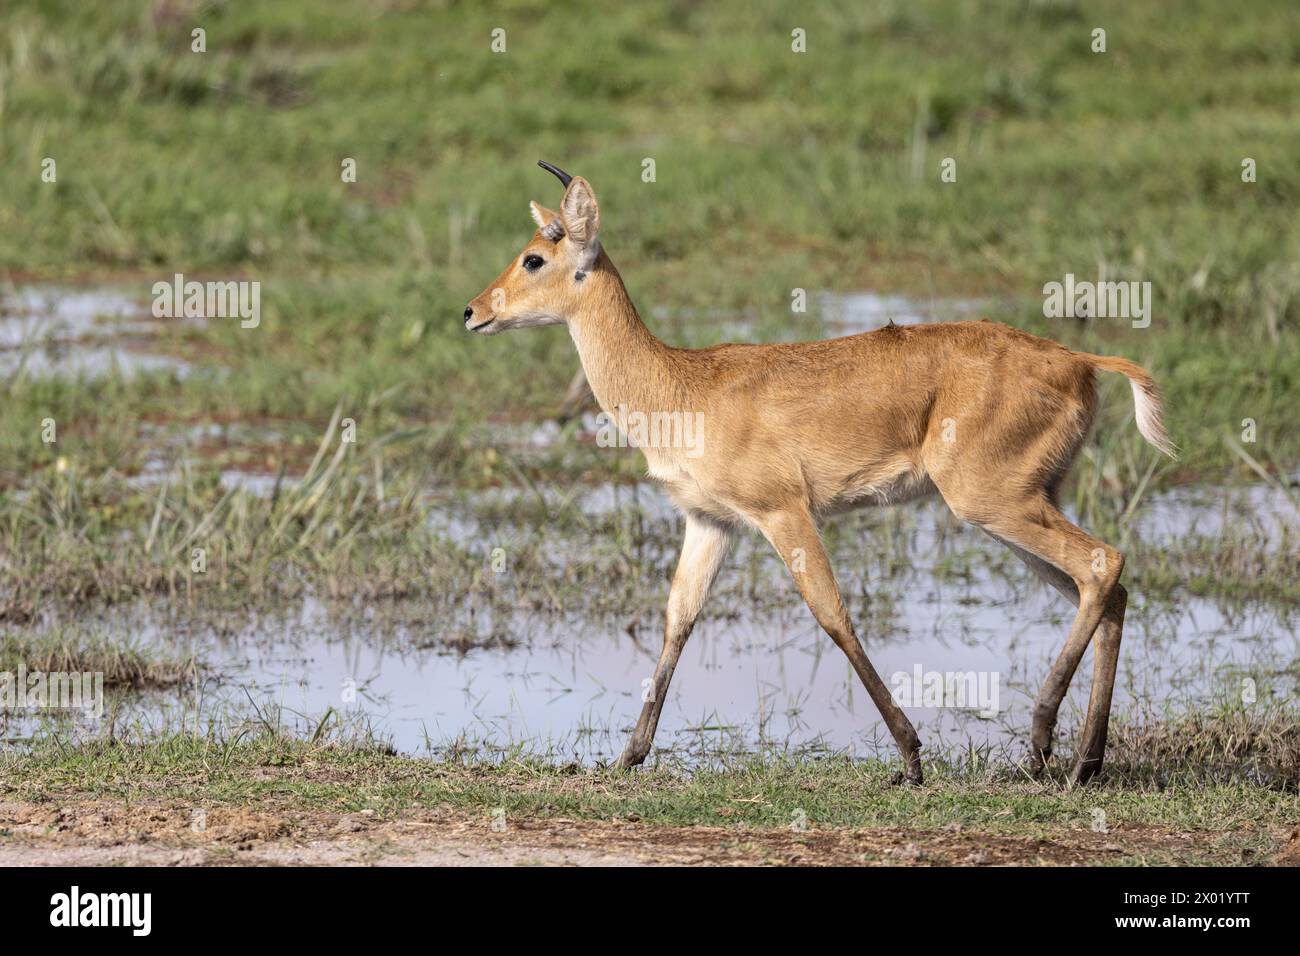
109,833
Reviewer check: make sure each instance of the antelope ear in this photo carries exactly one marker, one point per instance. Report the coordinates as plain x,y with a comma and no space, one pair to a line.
548,221
581,216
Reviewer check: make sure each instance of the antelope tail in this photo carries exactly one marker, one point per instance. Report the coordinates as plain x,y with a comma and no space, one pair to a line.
1148,408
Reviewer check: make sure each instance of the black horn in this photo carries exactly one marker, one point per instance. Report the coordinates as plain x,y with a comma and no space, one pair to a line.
560,174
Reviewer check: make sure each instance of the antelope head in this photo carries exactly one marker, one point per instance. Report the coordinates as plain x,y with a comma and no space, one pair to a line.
545,284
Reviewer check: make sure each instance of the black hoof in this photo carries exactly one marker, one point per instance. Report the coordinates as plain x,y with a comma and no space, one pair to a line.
912,778
1038,761
1083,771
627,761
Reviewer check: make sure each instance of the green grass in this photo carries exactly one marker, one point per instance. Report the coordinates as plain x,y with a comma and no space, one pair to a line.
1238,772
231,157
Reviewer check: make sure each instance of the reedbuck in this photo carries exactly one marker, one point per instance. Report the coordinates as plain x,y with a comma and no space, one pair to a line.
987,416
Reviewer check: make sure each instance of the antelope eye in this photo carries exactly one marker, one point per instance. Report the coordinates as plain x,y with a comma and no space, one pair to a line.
533,263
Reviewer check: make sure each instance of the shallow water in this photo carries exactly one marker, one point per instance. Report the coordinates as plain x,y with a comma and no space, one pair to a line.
747,682
777,681
48,331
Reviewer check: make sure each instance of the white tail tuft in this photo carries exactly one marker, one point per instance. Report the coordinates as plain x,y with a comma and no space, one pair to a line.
1146,400
1149,414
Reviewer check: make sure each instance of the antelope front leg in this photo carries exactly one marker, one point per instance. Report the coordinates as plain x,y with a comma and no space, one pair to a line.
795,537
703,550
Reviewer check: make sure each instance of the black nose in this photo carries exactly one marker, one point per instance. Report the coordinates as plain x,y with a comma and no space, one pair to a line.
469,312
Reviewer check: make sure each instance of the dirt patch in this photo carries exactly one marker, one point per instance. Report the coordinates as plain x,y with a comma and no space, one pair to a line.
1290,855
111,833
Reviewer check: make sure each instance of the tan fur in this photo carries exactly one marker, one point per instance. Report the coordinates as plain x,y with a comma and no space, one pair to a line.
987,415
